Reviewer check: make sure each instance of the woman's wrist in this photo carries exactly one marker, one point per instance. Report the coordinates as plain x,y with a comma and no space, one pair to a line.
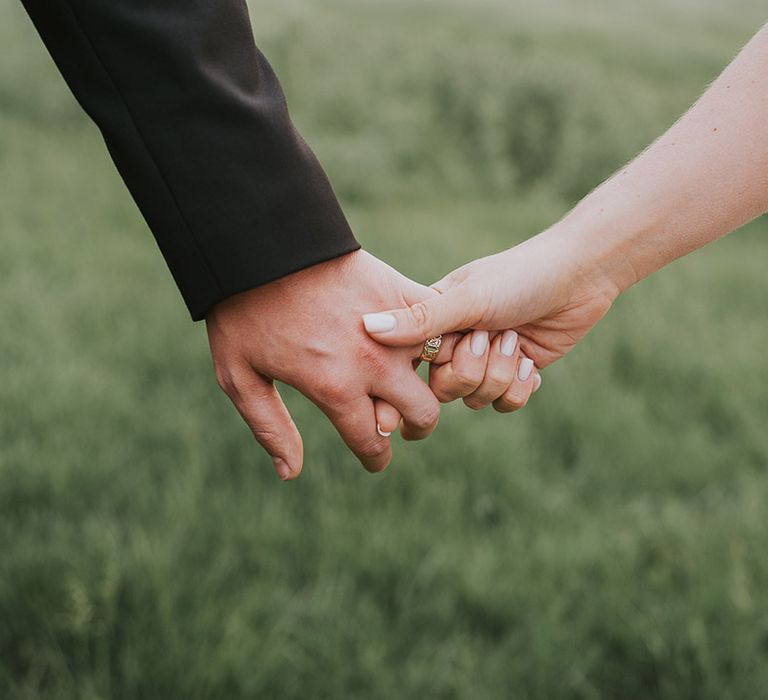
610,239
575,251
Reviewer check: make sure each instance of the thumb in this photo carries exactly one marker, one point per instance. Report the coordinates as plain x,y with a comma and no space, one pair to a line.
443,313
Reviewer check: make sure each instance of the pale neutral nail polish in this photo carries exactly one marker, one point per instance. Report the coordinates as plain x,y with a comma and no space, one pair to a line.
284,470
526,367
508,343
479,343
381,432
379,323
536,382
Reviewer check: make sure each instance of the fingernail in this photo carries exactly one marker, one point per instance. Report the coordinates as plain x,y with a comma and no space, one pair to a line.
479,343
526,367
284,470
381,432
536,382
378,323
508,343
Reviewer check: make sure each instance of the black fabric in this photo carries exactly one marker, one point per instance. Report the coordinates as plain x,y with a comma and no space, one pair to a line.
197,125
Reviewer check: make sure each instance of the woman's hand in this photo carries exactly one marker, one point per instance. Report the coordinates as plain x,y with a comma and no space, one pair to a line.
700,180
703,178
541,293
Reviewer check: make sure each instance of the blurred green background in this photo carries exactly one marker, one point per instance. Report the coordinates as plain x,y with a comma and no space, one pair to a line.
609,541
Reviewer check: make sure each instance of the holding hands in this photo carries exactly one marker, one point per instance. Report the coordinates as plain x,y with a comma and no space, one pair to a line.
503,317
235,207
535,291
702,179
304,330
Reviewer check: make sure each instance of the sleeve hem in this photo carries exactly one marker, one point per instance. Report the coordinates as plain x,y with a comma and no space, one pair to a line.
200,310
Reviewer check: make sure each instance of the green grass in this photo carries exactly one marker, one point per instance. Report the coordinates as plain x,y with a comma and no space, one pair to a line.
607,542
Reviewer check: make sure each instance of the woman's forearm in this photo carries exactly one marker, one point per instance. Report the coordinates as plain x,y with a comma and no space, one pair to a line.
702,179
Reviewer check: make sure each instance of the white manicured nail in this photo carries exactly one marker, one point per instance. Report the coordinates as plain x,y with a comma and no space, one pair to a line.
381,432
508,343
536,382
526,367
479,343
379,323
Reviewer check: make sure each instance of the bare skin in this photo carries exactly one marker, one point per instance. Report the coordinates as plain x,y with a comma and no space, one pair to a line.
305,330
702,179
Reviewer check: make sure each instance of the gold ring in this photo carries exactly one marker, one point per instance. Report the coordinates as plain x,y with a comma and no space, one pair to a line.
431,348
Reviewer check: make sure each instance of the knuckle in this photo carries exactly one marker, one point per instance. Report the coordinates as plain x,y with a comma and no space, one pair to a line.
240,384
443,395
514,400
442,391
226,381
467,379
333,389
497,376
265,436
253,389
478,298
474,404
427,418
420,315
501,406
372,449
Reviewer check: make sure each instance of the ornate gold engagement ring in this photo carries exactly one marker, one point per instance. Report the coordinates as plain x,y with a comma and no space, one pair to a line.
431,348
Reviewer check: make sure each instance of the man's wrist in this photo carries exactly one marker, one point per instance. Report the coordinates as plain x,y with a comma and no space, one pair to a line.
332,266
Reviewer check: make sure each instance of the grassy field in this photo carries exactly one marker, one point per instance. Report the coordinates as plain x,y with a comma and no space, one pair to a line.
608,542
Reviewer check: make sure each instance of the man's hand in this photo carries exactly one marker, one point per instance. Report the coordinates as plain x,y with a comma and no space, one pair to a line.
305,330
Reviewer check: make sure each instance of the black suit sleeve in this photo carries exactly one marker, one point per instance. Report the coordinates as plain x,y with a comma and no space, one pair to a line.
197,125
